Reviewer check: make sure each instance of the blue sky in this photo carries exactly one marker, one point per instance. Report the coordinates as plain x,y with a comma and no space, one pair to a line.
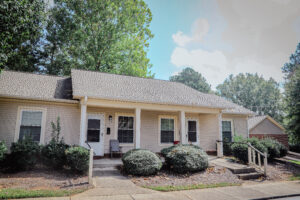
218,39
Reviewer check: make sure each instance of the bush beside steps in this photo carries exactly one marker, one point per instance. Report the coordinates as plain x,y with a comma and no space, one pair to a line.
185,158
141,162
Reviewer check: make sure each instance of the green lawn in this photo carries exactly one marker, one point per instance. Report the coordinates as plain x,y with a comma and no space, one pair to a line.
168,188
294,161
23,193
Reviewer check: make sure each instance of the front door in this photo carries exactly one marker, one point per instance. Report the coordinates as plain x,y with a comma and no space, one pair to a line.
95,133
192,131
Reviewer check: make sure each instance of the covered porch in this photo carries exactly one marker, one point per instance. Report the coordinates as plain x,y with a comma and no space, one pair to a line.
146,126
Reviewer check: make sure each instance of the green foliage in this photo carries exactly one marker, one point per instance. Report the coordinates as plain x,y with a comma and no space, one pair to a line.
141,162
274,148
78,159
107,36
253,92
186,158
53,153
193,79
240,147
295,147
21,29
292,96
166,150
3,150
24,155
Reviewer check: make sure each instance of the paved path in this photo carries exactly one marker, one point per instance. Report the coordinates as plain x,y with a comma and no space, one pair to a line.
120,188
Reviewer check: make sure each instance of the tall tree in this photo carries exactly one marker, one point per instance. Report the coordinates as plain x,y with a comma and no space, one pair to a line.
253,92
108,36
21,24
193,79
292,95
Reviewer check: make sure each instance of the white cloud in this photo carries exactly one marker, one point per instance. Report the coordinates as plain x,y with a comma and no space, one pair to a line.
212,65
199,29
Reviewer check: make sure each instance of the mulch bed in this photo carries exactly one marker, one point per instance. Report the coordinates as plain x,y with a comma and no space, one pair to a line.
210,176
42,178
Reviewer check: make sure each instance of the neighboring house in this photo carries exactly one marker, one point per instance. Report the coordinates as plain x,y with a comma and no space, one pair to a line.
96,107
266,126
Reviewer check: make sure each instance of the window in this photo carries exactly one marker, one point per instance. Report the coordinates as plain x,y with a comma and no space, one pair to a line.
125,129
192,131
31,125
226,131
93,132
167,130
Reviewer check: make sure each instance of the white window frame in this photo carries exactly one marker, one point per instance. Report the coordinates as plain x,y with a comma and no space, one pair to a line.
117,115
197,130
19,118
231,124
159,128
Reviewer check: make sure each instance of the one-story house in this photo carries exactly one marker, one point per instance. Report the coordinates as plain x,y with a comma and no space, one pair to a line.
96,107
265,126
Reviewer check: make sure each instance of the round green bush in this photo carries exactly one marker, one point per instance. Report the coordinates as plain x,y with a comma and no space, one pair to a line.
53,154
166,150
141,162
3,150
186,158
78,159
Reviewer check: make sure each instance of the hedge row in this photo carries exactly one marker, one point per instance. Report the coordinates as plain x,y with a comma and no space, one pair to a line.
274,148
25,154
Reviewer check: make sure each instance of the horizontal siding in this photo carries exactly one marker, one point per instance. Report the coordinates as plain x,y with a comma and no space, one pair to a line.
209,131
240,124
69,119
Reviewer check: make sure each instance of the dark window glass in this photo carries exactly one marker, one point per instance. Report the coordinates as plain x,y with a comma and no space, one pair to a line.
93,132
125,129
167,130
31,125
192,131
226,131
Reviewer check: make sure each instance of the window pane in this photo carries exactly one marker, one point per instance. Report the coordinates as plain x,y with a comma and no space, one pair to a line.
167,136
192,126
167,124
125,136
94,124
31,131
31,118
226,125
93,136
130,122
192,136
227,136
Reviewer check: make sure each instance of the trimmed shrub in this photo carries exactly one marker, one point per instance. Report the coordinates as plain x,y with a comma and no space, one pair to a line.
141,162
186,158
3,150
166,150
77,159
24,155
240,147
53,154
272,146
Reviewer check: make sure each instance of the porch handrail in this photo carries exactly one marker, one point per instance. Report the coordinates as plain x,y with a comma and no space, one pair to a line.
252,151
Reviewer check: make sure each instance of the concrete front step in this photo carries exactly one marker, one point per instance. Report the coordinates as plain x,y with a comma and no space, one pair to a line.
107,171
244,170
104,163
248,176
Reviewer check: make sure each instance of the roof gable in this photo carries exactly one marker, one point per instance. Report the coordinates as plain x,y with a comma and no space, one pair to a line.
255,121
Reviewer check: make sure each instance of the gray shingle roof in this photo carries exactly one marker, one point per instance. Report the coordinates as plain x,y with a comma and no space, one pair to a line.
133,89
35,86
253,121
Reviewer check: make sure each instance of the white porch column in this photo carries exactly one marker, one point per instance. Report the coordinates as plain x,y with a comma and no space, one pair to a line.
138,128
182,127
83,106
220,145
